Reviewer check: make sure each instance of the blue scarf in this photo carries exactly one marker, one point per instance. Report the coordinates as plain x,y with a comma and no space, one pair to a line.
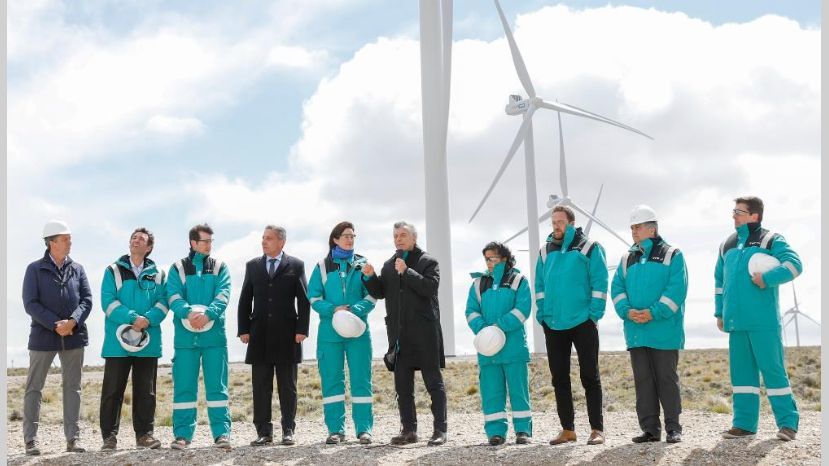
339,253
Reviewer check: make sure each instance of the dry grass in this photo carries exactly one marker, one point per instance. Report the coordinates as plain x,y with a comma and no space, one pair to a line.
704,378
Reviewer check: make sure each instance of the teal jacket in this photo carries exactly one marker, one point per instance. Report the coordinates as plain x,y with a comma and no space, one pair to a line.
335,283
570,281
652,276
506,302
199,279
739,302
125,297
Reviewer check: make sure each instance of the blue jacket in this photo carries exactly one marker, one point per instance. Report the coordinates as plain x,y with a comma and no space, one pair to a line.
739,302
199,279
506,302
570,281
339,282
125,297
652,276
49,296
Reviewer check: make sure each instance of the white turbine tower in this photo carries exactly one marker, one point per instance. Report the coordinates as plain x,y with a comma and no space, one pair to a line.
435,73
793,314
526,108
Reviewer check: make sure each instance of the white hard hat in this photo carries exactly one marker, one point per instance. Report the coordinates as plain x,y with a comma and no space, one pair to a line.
55,227
642,214
132,340
761,263
200,309
347,324
490,340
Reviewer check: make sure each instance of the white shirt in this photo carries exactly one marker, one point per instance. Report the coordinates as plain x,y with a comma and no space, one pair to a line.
275,264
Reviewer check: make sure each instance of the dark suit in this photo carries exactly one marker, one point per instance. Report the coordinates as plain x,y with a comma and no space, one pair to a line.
413,327
273,310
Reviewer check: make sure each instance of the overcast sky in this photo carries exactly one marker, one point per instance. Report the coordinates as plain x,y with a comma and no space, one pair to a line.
306,113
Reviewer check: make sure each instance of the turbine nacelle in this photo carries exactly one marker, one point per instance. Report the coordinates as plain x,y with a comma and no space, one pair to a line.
516,105
553,201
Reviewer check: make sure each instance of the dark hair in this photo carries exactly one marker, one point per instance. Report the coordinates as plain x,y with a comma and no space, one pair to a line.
501,249
754,203
337,231
49,239
150,239
202,227
571,217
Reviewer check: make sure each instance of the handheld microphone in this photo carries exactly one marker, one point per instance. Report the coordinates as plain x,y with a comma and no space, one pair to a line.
399,255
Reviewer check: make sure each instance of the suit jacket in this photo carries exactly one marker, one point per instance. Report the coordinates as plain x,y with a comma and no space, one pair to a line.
412,309
273,310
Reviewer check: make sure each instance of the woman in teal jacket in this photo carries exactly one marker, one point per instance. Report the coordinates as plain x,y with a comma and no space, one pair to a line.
336,285
501,297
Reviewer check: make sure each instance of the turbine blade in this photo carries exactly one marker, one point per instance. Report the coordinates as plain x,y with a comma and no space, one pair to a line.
516,143
813,320
562,168
560,107
596,219
520,68
595,206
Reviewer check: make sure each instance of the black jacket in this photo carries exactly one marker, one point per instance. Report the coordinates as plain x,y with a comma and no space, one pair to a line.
412,309
274,310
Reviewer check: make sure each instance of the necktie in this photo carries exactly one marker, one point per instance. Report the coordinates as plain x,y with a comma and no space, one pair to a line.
271,267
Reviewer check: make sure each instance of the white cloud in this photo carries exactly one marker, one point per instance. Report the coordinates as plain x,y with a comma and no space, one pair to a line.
296,57
175,126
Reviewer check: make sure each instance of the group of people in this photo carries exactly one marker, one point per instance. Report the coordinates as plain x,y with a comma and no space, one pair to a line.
648,292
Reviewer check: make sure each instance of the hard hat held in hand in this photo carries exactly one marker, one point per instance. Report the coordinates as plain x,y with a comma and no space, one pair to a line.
132,340
348,325
56,227
490,340
761,263
201,310
642,214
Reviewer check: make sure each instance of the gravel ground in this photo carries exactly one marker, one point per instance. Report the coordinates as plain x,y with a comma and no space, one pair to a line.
467,444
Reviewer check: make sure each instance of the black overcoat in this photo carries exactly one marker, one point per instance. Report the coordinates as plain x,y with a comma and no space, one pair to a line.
274,310
412,309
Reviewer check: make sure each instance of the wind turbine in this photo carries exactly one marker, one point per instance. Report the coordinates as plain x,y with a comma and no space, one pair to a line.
792,314
526,108
435,75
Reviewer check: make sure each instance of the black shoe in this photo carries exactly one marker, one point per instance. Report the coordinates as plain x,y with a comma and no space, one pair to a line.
522,438
110,443
262,440
32,449
674,436
645,437
288,437
496,440
404,438
438,438
335,439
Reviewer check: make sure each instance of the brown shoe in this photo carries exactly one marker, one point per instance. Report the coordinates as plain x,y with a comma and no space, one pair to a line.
596,437
73,446
404,438
110,443
148,441
563,437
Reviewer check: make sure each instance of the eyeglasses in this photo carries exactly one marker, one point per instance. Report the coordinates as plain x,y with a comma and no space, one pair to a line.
348,236
493,260
209,240
740,212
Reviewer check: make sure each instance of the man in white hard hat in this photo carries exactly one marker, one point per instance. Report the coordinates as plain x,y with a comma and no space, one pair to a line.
133,295
648,292
56,295
570,294
747,308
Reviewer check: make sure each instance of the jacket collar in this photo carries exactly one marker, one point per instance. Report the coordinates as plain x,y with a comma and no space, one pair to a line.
47,262
745,230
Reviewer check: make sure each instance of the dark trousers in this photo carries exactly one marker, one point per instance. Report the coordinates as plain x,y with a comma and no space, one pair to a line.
656,380
116,373
404,386
262,378
585,337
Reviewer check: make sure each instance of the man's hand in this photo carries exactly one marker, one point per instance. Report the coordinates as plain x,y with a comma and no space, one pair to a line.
140,323
645,316
300,337
633,315
757,279
197,320
400,265
65,327
720,324
368,270
245,338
